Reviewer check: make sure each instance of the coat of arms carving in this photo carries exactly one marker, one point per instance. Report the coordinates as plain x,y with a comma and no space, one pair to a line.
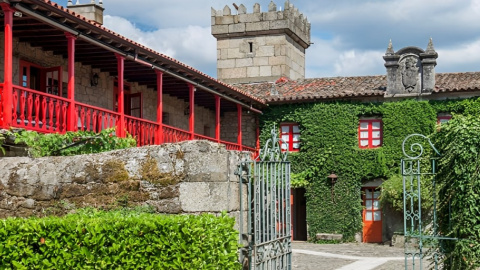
410,74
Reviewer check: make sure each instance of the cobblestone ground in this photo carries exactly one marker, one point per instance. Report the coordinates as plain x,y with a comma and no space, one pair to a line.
351,256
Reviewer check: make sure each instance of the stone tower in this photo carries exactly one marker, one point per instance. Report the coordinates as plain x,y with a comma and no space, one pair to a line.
260,46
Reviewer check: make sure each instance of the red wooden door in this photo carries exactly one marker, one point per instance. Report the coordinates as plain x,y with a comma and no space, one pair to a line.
133,104
372,216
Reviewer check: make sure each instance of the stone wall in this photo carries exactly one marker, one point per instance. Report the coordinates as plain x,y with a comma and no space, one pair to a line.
229,128
189,177
260,46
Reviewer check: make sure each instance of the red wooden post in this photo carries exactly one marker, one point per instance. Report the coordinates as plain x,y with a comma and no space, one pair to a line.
239,124
7,95
217,118
159,137
257,135
71,118
121,108
192,111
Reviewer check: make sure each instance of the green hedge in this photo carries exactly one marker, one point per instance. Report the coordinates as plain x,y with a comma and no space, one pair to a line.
329,143
93,239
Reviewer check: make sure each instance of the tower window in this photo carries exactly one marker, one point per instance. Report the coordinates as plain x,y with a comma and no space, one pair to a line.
250,44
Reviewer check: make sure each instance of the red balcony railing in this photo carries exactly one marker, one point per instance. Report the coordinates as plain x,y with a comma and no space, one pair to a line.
39,111
46,113
173,135
90,118
142,130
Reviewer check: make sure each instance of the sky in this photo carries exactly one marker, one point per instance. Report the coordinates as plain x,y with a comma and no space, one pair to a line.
349,36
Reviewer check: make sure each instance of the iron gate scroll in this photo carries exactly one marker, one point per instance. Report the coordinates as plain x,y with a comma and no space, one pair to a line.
422,237
269,217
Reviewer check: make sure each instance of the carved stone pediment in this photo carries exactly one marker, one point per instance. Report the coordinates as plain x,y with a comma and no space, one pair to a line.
410,71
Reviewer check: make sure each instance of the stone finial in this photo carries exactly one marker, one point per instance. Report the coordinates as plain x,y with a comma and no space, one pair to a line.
256,8
287,5
430,49
227,10
69,3
272,6
390,50
242,9
100,2
78,2
92,2
213,12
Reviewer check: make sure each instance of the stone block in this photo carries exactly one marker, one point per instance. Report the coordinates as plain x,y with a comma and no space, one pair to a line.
227,19
277,71
258,26
229,63
244,62
265,51
223,44
219,29
253,71
279,24
329,236
249,18
236,28
269,16
260,61
277,60
233,73
235,53
209,197
265,71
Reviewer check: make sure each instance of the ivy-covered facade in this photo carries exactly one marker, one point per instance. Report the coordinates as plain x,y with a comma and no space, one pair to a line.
353,128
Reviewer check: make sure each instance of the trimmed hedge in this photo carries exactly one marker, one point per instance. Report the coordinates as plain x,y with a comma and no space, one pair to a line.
93,239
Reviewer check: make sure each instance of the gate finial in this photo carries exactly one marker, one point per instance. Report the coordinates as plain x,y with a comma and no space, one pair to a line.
272,148
416,147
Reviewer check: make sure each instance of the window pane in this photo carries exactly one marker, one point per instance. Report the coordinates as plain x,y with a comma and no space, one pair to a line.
296,146
285,138
368,194
368,204
376,142
284,146
363,125
375,134
296,129
377,216
376,205
296,137
363,134
364,143
376,194
376,125
285,129
368,216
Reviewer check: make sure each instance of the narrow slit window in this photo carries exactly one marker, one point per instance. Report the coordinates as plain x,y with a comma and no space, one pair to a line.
250,44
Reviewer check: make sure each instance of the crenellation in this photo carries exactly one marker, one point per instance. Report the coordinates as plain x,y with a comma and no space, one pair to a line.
272,6
267,43
242,9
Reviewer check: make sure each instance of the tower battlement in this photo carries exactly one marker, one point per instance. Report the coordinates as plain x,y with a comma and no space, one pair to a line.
242,24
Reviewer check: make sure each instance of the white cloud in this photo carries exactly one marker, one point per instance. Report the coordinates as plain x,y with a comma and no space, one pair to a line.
193,45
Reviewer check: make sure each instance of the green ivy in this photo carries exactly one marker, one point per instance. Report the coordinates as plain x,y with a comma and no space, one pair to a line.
329,143
459,181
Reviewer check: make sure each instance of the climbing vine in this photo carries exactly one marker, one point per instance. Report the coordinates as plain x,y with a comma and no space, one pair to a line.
329,143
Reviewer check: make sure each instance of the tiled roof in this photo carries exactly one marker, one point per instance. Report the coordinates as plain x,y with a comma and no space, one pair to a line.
285,91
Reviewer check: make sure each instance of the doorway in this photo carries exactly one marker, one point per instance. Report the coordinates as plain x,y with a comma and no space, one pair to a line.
372,215
299,214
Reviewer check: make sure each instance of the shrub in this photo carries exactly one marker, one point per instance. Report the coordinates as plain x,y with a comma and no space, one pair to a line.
122,239
73,143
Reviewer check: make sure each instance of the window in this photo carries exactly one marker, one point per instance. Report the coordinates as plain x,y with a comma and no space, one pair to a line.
443,119
370,133
290,135
48,80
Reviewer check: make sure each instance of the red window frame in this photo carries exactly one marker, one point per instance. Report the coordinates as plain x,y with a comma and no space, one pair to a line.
291,135
443,117
370,130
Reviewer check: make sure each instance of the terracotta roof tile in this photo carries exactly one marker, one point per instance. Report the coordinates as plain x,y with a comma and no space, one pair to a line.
284,90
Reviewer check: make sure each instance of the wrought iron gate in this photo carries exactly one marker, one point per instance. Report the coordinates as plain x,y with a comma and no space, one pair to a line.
268,219
422,237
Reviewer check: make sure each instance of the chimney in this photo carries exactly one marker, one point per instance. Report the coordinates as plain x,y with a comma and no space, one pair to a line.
91,11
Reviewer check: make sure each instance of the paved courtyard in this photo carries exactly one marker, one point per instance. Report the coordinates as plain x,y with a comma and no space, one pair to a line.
351,256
